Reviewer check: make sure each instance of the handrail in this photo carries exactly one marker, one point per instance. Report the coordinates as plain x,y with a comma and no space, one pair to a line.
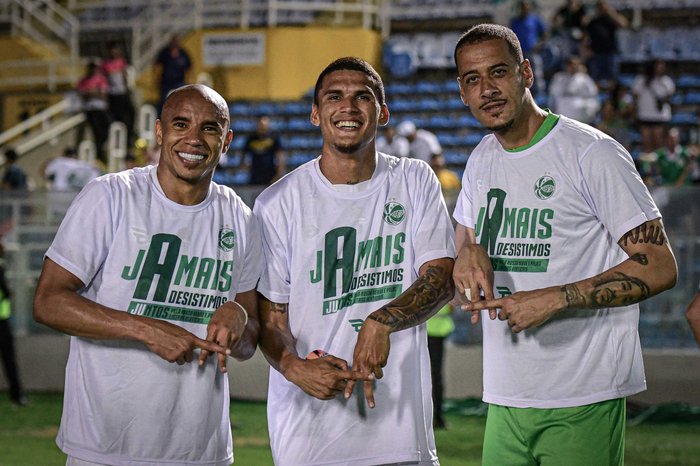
50,73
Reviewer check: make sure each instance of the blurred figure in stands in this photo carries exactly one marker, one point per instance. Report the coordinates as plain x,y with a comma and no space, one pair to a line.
119,98
172,65
7,347
532,32
267,159
93,87
14,178
392,143
653,91
573,93
601,39
671,163
66,175
422,143
569,21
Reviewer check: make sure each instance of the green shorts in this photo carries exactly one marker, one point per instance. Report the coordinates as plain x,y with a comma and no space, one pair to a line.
591,435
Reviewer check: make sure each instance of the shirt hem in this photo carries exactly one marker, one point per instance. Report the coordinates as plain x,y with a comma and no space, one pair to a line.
94,457
564,403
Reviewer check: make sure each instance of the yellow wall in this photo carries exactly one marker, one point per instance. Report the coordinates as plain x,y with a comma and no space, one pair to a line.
15,104
294,59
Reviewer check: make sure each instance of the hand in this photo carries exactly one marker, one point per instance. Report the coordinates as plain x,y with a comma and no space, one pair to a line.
473,272
369,357
175,344
524,309
323,378
225,328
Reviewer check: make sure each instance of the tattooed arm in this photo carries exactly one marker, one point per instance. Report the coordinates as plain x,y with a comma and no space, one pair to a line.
421,300
649,270
322,378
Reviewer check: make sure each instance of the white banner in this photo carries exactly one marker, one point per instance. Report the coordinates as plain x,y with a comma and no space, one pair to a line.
234,49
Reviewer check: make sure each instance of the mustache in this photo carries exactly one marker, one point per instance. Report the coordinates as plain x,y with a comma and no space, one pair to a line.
491,101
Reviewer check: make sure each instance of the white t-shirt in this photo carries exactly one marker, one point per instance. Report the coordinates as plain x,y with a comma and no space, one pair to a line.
68,174
140,252
336,254
398,147
550,215
424,146
653,98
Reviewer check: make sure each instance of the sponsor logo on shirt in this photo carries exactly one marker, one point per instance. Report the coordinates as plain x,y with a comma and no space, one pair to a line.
356,324
174,286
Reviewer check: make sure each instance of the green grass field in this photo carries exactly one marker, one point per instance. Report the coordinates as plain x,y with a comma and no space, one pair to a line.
27,437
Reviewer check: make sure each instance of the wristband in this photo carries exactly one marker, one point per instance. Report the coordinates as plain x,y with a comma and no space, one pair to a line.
245,313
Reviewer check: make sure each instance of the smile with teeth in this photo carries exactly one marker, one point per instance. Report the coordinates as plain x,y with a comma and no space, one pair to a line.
347,124
191,157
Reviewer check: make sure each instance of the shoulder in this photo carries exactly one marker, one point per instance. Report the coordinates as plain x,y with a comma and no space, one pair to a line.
293,182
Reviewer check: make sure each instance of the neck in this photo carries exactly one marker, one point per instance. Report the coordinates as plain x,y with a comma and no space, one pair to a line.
524,126
182,191
342,168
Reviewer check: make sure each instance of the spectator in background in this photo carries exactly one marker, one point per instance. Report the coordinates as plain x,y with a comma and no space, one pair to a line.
7,347
652,92
392,143
66,175
670,164
93,88
172,65
267,159
601,34
573,93
616,114
118,96
569,22
532,32
693,316
422,143
14,178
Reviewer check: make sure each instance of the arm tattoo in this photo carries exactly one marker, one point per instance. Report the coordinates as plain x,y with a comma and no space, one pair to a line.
641,258
618,290
574,298
645,233
428,293
277,307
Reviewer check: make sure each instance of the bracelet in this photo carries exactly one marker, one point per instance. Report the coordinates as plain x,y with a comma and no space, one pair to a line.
245,313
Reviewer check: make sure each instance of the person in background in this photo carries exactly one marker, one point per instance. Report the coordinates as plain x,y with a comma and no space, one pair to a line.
652,92
7,345
532,33
172,65
14,178
573,93
671,163
422,143
693,316
569,21
392,143
152,271
561,342
358,253
93,88
267,160
601,39
114,67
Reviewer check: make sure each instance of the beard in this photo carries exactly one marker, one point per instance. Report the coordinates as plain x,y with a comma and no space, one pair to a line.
502,127
348,148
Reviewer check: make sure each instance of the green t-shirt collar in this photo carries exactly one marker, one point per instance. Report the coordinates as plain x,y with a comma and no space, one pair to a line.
549,122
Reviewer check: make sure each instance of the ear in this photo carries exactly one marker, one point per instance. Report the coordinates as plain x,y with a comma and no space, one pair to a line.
528,75
227,142
461,93
383,115
159,133
314,118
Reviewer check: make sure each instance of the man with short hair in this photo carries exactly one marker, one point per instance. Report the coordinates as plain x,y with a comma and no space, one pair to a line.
358,247
154,266
422,143
554,216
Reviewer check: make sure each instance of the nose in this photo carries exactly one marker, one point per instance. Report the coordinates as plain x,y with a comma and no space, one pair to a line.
348,104
488,89
193,136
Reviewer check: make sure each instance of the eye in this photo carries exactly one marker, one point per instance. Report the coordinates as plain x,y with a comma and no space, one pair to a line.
179,124
472,79
499,72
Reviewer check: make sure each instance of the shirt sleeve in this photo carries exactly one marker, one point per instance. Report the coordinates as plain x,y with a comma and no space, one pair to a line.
253,256
614,189
274,281
463,208
433,231
83,240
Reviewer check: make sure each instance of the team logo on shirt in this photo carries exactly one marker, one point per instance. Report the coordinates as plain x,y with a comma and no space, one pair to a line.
394,213
356,324
544,187
227,239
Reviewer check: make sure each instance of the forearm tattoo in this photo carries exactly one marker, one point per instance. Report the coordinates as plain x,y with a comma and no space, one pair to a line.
645,233
277,307
430,291
614,290
641,258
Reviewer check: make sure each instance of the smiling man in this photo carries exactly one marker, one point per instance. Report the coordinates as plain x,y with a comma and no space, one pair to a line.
554,216
150,267
359,253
